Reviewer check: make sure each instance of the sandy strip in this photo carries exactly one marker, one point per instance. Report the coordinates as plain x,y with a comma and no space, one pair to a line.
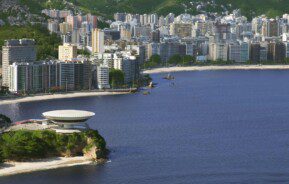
226,67
12,168
58,96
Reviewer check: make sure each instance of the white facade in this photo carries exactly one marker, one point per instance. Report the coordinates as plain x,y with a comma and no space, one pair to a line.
103,77
218,51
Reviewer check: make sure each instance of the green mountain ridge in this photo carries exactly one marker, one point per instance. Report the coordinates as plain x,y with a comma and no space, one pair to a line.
107,7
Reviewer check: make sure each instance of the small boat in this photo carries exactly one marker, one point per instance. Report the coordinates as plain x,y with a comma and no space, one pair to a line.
151,85
169,77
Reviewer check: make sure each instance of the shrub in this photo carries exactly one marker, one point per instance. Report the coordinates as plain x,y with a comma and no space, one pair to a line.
23,145
4,121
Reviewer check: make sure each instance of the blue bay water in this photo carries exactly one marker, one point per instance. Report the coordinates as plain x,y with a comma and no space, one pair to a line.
210,127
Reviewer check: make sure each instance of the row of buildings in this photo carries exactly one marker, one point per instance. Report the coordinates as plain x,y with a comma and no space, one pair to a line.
22,73
132,39
230,37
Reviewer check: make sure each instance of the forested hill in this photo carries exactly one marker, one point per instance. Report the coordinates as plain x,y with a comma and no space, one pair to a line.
108,7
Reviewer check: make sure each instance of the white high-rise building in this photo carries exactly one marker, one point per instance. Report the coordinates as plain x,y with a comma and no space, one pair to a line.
97,41
218,51
103,77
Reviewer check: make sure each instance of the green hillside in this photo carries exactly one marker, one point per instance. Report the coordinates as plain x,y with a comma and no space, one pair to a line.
108,7
47,44
271,8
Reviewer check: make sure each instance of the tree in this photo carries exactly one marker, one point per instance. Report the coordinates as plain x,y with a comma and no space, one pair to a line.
1,154
116,78
145,80
155,60
4,90
4,121
175,59
83,52
23,145
286,61
46,43
187,59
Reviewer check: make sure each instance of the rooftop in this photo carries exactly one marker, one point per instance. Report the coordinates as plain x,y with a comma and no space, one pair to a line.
68,115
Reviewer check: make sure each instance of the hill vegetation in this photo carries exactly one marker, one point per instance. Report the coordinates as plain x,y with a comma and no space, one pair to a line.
26,145
108,7
47,44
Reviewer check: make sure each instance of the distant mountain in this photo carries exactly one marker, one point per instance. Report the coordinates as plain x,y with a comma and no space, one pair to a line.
106,8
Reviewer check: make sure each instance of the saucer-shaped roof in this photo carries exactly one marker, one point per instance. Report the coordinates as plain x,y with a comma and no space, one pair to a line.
68,115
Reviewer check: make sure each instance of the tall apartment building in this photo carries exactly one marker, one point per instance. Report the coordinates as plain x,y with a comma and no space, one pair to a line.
31,77
201,26
103,77
263,53
238,52
125,34
168,49
111,34
53,26
65,27
41,77
221,31
20,80
76,21
255,52
139,50
152,49
67,52
155,36
234,52
82,75
65,75
130,66
270,28
97,41
22,50
181,29
218,51
287,49
257,25
276,51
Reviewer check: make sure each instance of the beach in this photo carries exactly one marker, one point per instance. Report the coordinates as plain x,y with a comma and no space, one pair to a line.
225,67
12,168
58,96
42,97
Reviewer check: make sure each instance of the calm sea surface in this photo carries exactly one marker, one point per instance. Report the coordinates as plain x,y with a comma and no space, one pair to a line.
210,127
